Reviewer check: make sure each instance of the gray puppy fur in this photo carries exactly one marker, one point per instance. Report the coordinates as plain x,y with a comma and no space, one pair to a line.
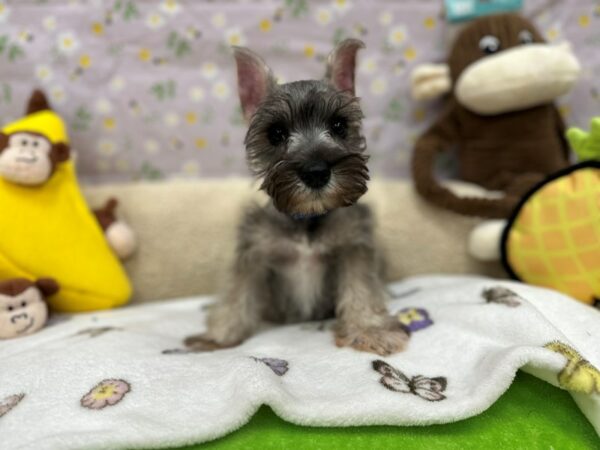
310,253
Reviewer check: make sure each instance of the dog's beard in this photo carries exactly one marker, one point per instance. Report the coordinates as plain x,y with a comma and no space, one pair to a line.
291,196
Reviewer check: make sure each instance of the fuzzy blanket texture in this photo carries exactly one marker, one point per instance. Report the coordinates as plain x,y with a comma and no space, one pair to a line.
120,379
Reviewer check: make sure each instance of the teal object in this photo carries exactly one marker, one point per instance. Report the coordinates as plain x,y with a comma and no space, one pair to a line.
460,10
531,415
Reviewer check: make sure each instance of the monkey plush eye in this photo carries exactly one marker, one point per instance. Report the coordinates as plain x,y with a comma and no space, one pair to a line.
489,44
23,304
525,37
339,127
10,308
35,143
277,134
24,142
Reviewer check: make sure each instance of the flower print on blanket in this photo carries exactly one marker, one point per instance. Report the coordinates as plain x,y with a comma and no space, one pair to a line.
414,319
108,392
8,403
501,296
429,389
578,375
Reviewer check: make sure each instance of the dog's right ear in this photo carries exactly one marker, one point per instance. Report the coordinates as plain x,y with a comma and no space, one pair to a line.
254,79
341,64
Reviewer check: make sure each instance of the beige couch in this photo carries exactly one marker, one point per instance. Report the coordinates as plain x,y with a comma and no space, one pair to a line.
187,230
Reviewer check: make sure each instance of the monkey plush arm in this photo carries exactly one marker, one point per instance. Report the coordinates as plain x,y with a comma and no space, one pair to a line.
562,130
119,235
438,138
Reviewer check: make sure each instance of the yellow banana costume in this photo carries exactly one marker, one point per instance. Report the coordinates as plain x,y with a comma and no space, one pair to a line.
48,230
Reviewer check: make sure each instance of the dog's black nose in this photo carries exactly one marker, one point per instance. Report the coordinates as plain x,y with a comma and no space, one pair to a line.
315,174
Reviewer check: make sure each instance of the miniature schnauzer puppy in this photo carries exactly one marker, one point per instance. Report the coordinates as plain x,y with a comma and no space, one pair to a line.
310,253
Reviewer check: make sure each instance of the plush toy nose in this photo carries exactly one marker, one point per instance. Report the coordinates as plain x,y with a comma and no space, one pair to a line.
315,174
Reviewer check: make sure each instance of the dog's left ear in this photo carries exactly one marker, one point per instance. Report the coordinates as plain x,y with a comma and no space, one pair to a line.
255,79
341,64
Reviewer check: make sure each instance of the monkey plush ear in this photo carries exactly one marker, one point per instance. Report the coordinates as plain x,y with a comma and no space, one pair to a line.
37,102
3,141
255,79
106,214
428,81
341,64
61,152
48,286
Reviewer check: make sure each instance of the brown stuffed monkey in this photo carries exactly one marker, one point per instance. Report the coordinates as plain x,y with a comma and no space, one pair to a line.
500,116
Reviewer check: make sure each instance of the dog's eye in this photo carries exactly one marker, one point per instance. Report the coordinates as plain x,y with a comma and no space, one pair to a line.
489,44
339,127
525,37
277,134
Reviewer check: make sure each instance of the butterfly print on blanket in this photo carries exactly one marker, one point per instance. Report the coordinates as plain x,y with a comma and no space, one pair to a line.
9,403
278,366
414,319
429,389
502,296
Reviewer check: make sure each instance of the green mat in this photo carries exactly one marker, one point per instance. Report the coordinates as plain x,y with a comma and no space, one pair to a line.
531,415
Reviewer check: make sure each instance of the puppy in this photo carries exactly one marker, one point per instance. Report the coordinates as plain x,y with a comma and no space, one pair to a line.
309,253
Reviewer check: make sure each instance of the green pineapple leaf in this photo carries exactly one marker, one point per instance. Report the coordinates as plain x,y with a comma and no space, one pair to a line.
586,145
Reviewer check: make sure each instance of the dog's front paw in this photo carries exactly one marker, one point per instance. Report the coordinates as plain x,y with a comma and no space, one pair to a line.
382,341
204,343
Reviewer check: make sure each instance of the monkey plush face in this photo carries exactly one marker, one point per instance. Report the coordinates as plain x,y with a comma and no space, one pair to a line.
23,308
29,158
501,63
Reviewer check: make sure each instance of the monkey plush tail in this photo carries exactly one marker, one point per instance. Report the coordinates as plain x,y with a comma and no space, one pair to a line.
428,187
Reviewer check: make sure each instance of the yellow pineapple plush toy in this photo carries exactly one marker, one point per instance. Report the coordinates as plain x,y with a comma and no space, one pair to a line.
553,236
46,227
553,239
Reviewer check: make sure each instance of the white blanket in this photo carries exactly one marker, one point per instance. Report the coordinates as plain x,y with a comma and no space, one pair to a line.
104,380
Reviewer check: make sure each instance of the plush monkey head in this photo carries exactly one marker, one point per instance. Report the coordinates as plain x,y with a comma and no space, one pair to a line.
23,308
500,120
498,64
502,63
31,148
29,158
